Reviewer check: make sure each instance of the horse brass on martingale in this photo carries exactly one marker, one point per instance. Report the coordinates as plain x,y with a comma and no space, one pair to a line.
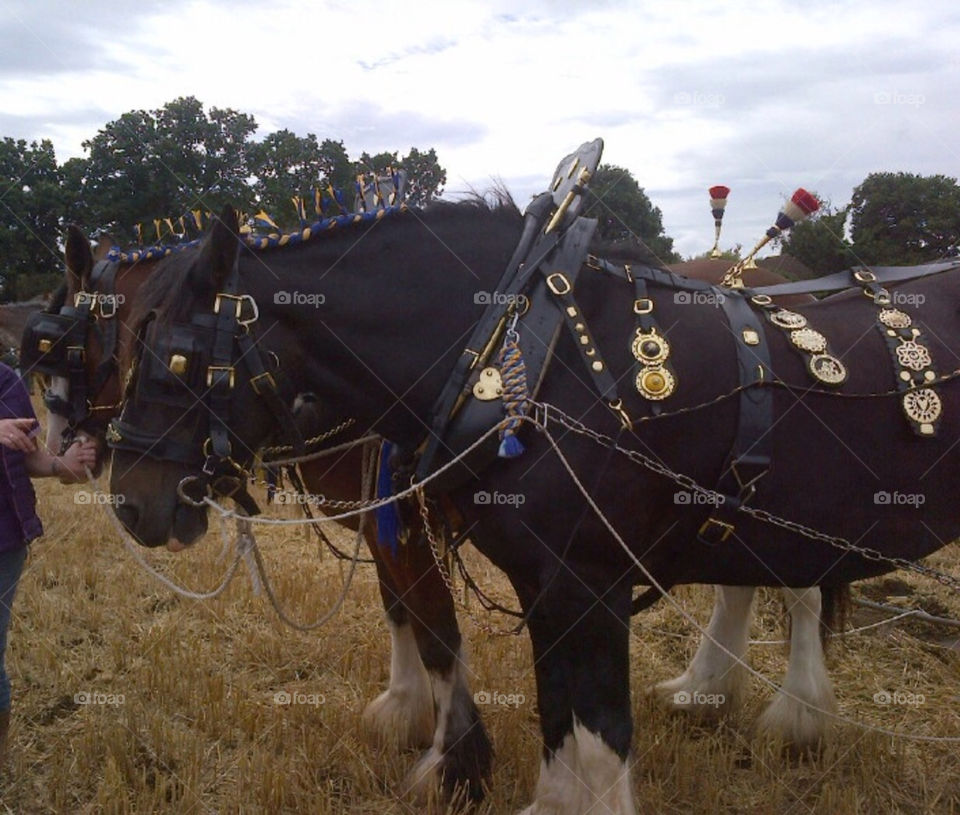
651,349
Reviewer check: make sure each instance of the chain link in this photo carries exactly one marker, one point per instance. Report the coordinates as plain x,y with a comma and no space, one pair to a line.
691,485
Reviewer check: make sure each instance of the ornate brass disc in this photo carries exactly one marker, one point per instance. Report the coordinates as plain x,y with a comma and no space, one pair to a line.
656,382
922,406
894,318
788,319
650,348
806,339
913,356
828,369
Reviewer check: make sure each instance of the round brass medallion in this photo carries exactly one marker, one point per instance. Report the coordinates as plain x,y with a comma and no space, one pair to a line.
656,382
650,348
922,405
806,339
894,318
914,356
788,319
828,369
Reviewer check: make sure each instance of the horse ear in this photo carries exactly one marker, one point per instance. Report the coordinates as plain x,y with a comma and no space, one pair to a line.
221,247
78,258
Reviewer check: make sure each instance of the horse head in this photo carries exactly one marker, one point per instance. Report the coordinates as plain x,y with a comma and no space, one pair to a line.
202,392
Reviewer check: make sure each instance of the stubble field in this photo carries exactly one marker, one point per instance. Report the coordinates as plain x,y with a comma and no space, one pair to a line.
128,698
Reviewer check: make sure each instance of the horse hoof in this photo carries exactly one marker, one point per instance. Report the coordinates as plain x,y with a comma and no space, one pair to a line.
402,718
801,726
698,697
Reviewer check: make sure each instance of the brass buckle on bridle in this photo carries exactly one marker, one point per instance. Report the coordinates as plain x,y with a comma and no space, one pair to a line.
238,300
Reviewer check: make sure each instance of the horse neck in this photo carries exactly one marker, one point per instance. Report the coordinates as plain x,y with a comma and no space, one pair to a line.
396,311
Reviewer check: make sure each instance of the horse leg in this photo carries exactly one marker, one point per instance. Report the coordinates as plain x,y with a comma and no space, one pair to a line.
716,677
581,654
460,757
404,711
801,709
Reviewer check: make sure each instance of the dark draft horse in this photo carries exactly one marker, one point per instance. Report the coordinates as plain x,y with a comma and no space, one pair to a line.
393,320
425,638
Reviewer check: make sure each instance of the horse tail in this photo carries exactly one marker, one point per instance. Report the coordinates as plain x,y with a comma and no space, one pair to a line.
834,610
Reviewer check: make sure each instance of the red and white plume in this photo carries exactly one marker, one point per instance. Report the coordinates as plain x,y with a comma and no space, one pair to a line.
718,201
801,206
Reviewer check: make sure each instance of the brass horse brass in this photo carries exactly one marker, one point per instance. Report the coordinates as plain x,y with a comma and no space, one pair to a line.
489,386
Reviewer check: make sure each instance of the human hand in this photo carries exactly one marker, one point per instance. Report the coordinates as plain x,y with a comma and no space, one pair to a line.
17,434
74,462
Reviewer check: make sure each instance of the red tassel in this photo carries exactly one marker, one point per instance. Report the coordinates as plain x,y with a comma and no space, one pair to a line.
719,191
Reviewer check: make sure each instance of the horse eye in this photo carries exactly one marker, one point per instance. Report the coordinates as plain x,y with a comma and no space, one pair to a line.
178,364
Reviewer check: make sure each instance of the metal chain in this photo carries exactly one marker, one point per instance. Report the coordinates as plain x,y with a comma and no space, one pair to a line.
442,568
287,448
691,485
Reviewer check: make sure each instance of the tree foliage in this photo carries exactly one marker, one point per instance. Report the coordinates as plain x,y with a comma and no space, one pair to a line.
31,200
819,242
901,218
625,213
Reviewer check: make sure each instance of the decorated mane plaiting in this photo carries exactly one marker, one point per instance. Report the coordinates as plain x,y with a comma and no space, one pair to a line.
373,202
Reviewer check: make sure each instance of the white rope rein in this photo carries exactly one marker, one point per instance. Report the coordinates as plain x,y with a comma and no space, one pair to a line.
246,550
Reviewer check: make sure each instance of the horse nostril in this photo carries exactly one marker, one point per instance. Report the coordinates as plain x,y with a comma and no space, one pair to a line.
128,516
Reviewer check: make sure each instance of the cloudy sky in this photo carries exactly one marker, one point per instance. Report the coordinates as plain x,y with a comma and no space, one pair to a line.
763,97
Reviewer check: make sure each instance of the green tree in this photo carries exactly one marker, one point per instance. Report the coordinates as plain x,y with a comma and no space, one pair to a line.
286,165
819,242
902,218
31,201
425,176
163,163
625,212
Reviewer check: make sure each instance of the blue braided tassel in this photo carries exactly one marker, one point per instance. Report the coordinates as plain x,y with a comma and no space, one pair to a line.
513,378
388,520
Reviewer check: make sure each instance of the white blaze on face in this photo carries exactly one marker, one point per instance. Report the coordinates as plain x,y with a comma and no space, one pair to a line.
57,424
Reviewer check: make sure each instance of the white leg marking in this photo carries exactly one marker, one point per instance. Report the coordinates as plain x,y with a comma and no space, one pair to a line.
404,711
800,712
715,680
583,777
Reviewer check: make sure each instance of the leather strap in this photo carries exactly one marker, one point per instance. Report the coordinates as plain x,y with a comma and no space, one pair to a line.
749,458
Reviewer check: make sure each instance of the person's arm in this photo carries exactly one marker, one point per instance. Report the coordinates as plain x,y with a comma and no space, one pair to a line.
70,467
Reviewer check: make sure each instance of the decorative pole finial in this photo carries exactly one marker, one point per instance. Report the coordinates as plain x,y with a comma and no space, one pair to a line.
801,206
718,202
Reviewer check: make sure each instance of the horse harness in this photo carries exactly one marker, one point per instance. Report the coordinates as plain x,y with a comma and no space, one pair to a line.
536,296
195,365
56,344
